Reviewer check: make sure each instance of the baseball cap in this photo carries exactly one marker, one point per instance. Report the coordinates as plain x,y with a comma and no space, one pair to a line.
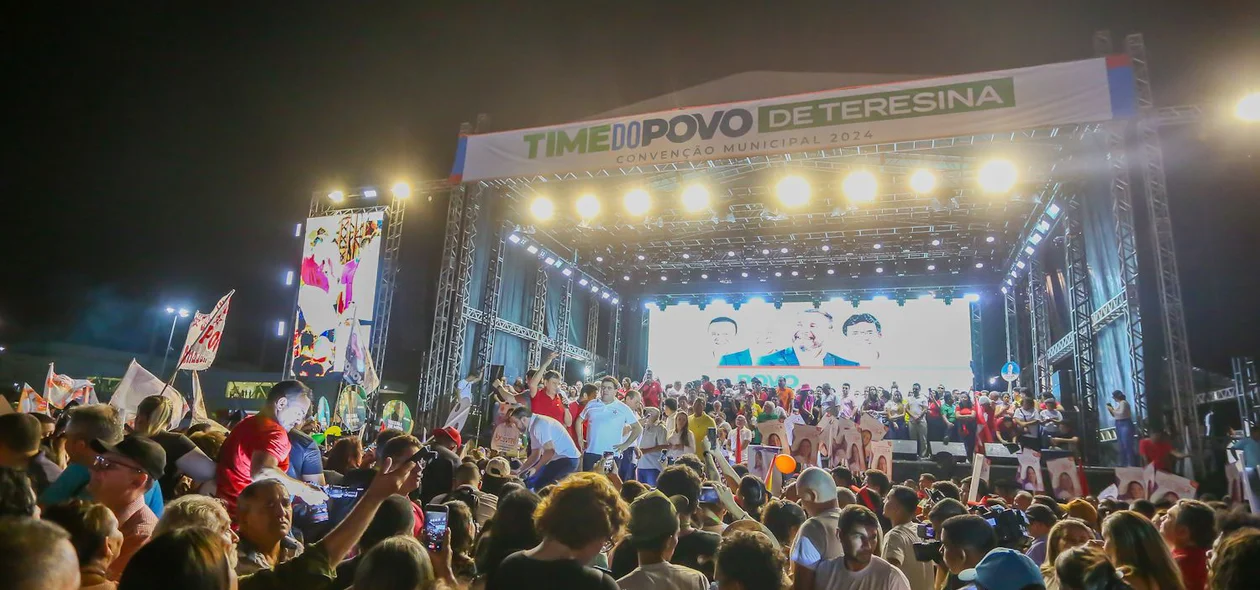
1004,569
448,432
20,433
1081,509
652,517
498,467
143,451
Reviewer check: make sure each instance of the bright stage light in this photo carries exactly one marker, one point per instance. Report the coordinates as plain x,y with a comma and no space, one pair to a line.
288,278
1043,226
587,206
532,249
625,277
401,190
615,301
1035,239
594,288
641,257
936,242
879,269
922,181
792,191
877,246
1029,250
280,328
778,274
1053,211
972,297
549,261
826,248
568,272
879,298
979,265
336,196
743,275
638,202
859,186
990,239
765,251
599,259
831,271
997,176
515,239
795,273
704,275
695,198
925,296
542,208
369,193
170,310
783,250
586,371
1248,108
686,256
297,231
647,305
604,295
583,282
931,267
1019,264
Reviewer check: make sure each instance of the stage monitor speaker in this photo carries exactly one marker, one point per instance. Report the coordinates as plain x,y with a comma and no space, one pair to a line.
910,447
905,447
956,449
998,451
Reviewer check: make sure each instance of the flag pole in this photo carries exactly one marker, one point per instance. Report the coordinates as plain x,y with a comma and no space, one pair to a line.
183,355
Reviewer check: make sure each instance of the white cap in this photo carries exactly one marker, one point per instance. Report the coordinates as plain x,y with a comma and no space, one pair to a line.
818,482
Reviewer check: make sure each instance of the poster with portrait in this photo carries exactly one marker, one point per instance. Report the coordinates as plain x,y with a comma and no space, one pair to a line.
761,460
506,439
396,415
351,411
1130,483
979,477
1064,478
828,436
323,413
806,442
773,434
870,430
1029,476
881,457
1171,487
1111,492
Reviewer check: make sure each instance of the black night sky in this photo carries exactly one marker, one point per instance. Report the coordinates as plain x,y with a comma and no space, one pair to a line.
161,152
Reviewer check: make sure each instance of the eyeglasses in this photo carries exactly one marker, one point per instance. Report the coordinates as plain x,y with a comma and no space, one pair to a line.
103,464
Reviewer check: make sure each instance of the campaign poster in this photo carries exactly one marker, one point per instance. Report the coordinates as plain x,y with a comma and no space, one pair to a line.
323,413
1029,476
337,283
396,415
1130,483
1064,478
1172,487
507,437
881,456
806,443
761,460
979,475
773,433
876,343
351,411
871,431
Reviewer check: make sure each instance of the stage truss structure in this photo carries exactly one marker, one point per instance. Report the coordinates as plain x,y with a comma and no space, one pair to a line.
932,244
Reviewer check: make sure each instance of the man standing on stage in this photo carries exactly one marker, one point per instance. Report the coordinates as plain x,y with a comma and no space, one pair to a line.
553,456
609,421
916,406
741,436
546,400
651,390
463,401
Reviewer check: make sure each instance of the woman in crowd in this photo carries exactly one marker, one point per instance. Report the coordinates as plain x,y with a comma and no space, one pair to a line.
680,440
463,532
94,533
1137,549
581,516
153,418
783,519
1087,568
1064,535
397,563
1235,561
511,530
346,454
187,559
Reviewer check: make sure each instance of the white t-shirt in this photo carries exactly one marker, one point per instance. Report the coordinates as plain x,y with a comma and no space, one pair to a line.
896,409
899,547
653,436
663,576
916,405
608,424
465,389
818,540
789,425
738,447
877,575
1047,416
544,430
1026,416
1122,410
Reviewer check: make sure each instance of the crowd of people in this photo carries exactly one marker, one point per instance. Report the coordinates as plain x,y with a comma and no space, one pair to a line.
617,485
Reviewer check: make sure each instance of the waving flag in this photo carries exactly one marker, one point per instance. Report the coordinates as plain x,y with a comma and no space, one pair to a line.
359,367
137,384
204,334
60,390
31,402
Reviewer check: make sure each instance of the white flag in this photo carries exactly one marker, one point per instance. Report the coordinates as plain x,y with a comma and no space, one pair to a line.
31,402
204,334
60,390
137,384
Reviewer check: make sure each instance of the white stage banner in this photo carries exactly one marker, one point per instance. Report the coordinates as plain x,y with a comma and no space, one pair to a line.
204,334
1081,91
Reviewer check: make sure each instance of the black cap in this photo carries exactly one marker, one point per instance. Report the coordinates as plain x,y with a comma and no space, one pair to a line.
143,451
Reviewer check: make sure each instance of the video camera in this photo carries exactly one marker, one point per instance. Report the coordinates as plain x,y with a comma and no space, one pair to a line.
1009,525
929,548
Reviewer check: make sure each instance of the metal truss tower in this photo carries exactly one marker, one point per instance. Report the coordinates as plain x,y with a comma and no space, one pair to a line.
485,332
977,344
562,326
1039,326
434,376
1011,306
1081,308
538,321
592,325
614,342
458,329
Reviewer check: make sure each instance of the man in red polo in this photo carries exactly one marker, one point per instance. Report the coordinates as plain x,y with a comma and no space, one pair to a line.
545,398
651,390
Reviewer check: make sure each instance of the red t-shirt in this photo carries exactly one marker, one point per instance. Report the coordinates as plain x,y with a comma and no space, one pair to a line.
651,391
546,405
709,389
1193,565
255,433
575,410
1156,452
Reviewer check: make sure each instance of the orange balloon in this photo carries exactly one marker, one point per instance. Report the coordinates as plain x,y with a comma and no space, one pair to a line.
785,463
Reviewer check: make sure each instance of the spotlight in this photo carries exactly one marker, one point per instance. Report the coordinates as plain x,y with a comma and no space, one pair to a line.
604,295
879,269
695,198
1043,226
369,193
979,265
686,256
922,181
792,191
765,251
831,271
638,202
664,278
532,249
587,206
859,186
972,297
743,275
625,277
877,246
1034,239
336,196
826,248
549,261
997,176
542,208
1029,250
594,288
568,272
783,250
730,253
615,301
515,239
704,275
936,242
583,282
795,273
778,274
1248,108
990,239
647,305
599,259
931,267
641,257
1020,264
401,190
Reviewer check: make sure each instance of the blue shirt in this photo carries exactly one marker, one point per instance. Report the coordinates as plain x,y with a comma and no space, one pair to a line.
73,484
304,456
787,358
742,358
1251,451
1037,551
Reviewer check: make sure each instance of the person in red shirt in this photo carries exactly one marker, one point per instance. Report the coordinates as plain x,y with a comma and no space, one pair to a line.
651,390
986,427
709,388
1189,528
258,448
544,394
588,393
1158,449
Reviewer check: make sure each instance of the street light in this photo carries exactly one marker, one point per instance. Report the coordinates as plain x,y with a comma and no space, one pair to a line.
176,315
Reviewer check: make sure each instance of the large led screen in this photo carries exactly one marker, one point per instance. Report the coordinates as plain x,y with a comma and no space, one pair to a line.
341,258
875,343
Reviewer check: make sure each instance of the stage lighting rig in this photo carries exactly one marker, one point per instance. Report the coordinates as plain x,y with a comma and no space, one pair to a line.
923,181
587,206
542,208
792,191
1248,108
997,176
860,186
695,198
638,202
401,190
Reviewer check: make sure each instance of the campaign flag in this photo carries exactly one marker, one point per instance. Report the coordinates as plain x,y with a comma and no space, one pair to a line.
204,334
60,390
138,383
199,415
31,402
360,370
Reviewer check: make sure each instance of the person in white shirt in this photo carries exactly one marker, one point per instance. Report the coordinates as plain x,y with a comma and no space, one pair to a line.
463,401
653,444
818,538
653,534
789,424
553,456
859,568
609,422
916,406
741,436
1051,418
1027,417
898,547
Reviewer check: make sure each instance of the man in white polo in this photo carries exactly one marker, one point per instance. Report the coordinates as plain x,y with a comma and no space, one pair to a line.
613,427
818,539
553,456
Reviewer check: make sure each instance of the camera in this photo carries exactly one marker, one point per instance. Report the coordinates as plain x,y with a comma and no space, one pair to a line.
424,455
929,549
1010,525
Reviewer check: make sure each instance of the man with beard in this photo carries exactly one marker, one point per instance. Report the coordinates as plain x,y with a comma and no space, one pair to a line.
809,344
859,568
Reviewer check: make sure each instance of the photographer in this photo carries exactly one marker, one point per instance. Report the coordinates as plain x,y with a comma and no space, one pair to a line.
930,549
965,540
898,547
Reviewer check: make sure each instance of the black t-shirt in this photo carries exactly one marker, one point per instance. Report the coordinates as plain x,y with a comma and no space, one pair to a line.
439,474
519,572
176,446
696,550
623,560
